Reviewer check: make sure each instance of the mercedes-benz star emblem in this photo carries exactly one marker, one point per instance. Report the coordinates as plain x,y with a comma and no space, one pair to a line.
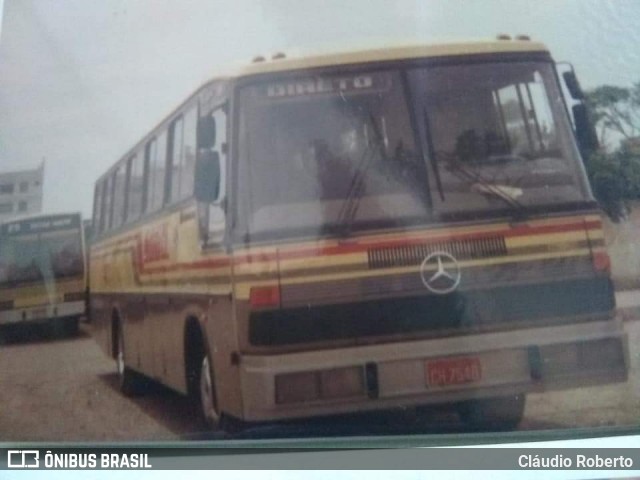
446,277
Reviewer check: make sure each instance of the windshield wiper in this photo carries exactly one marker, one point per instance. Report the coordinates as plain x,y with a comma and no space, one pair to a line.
349,208
432,155
496,191
485,187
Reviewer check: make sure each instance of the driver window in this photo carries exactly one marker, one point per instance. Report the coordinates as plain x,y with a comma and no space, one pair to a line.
220,146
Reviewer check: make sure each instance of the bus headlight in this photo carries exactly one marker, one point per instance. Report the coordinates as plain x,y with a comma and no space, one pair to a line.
320,385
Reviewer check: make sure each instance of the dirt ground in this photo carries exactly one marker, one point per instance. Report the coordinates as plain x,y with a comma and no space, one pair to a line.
68,390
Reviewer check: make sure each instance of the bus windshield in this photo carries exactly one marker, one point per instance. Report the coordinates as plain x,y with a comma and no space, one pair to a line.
317,153
497,132
42,257
309,145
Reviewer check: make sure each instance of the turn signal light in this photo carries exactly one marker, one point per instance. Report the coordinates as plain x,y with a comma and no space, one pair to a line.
260,297
601,261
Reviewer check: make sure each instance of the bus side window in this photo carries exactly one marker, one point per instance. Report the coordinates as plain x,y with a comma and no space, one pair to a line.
188,153
119,177
106,212
136,187
103,209
112,201
182,157
155,152
97,205
220,117
172,185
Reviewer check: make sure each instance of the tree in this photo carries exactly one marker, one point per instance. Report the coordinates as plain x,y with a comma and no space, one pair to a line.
615,110
615,179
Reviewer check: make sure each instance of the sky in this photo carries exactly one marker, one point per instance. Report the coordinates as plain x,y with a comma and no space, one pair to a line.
82,81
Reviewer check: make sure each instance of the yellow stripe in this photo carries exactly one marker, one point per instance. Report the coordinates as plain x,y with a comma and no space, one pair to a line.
545,238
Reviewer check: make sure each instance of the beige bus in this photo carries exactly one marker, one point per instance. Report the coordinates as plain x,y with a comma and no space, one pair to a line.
361,231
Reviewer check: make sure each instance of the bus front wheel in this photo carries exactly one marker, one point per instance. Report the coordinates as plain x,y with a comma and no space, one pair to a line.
207,394
493,414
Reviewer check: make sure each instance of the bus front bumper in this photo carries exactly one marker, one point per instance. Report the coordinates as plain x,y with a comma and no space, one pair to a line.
365,378
42,313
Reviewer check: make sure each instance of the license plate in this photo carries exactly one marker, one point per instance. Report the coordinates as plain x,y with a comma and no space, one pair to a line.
453,371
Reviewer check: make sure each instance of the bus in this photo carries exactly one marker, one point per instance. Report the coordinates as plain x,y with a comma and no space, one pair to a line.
359,232
43,278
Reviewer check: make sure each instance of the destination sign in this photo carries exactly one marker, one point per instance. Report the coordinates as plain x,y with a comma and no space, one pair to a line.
40,224
328,85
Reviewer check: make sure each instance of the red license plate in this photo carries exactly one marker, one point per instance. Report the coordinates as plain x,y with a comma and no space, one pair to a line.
453,371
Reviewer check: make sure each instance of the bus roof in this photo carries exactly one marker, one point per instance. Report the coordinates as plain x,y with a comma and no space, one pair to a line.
388,54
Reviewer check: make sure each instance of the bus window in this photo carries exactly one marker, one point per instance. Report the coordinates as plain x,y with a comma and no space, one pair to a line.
220,147
495,138
183,156
106,211
103,210
301,154
155,160
175,142
136,184
97,204
118,196
188,163
159,172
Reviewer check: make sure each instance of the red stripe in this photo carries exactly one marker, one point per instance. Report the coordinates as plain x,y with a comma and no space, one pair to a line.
356,247
199,265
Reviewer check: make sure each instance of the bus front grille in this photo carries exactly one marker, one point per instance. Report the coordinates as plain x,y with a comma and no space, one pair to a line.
409,255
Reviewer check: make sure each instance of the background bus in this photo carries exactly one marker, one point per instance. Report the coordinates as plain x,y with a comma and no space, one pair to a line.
42,272
364,231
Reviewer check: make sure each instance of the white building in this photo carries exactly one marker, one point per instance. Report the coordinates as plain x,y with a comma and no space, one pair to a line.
21,193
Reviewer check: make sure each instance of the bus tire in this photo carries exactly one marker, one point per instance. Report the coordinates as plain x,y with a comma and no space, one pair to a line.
493,414
207,399
131,383
71,326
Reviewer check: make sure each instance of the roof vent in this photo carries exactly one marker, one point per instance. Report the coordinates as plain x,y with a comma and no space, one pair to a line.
258,59
524,38
278,56
503,36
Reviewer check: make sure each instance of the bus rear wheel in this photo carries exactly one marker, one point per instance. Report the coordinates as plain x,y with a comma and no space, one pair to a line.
493,414
131,383
207,395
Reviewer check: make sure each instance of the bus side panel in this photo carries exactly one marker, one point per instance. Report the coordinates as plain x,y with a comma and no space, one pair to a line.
165,324
223,344
101,322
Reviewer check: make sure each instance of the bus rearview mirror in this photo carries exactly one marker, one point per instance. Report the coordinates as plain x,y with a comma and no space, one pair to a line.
571,81
207,176
206,132
585,132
